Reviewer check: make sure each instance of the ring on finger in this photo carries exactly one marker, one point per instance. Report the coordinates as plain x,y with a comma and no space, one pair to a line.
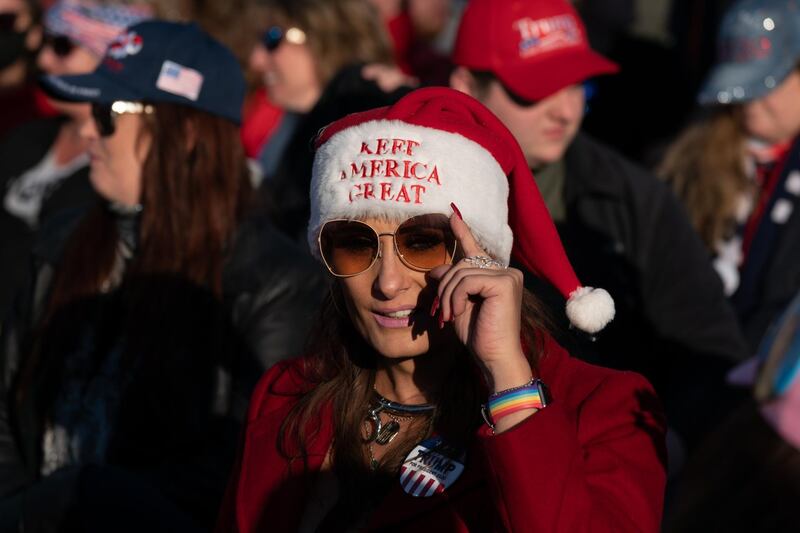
483,261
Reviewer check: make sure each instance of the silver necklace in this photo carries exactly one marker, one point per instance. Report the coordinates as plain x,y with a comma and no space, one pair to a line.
382,434
390,431
385,434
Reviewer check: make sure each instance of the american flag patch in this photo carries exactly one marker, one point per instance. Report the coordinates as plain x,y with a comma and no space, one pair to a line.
180,80
426,472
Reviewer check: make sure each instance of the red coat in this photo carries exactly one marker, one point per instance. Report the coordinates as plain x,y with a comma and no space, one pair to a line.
593,460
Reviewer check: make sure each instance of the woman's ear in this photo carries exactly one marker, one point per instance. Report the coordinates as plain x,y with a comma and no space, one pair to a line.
462,80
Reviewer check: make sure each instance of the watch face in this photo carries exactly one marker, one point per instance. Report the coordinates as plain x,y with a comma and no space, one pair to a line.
780,353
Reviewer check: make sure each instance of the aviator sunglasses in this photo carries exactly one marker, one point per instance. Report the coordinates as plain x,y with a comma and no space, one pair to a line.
350,247
274,36
103,114
61,45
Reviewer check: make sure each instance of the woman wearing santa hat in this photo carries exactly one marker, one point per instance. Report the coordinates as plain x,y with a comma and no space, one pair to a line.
433,397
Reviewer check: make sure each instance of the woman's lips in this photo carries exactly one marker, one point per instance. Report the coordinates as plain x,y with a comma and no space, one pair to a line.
383,319
555,133
389,322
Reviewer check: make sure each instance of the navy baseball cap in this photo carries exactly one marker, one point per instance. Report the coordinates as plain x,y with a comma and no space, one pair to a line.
158,61
758,46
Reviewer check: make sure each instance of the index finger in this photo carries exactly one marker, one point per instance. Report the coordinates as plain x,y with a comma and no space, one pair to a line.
466,241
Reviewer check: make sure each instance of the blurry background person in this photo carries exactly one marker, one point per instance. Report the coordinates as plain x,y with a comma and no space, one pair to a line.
422,34
310,57
44,165
664,49
150,318
622,229
738,170
20,37
229,22
746,476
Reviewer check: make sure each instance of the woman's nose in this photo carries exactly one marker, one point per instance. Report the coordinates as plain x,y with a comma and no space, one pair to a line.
46,59
259,58
392,274
87,128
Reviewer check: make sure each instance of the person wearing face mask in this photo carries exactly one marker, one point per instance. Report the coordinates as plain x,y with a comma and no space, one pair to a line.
433,397
622,229
20,37
44,164
127,364
738,169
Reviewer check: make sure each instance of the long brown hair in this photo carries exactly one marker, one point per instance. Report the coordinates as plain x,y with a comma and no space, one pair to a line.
341,373
163,331
339,32
705,167
194,190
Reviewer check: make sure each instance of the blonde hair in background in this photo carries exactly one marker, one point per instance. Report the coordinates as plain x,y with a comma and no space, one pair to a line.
705,167
338,32
231,22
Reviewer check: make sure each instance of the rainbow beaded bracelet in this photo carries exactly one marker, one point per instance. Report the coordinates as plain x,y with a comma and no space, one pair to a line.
532,395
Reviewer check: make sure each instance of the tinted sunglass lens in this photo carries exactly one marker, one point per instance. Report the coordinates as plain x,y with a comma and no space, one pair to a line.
62,46
426,241
272,38
7,21
101,113
348,247
517,99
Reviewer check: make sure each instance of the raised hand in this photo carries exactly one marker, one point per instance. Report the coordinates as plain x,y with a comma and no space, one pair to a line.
484,306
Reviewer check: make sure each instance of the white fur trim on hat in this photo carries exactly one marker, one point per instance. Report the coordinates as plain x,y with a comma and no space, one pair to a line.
395,170
590,309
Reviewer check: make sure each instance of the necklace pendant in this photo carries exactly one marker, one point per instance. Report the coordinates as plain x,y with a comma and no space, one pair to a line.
387,433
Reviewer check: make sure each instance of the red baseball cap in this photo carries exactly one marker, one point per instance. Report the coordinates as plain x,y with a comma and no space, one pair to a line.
535,47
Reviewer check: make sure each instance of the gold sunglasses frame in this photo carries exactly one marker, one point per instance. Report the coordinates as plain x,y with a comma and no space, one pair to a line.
380,246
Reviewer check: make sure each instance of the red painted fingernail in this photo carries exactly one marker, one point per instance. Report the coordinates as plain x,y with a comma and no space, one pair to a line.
456,211
441,320
435,305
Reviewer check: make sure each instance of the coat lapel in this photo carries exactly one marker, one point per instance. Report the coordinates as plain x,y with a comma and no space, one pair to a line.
274,490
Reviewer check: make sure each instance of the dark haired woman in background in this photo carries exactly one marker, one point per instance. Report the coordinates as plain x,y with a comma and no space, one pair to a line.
150,319
44,166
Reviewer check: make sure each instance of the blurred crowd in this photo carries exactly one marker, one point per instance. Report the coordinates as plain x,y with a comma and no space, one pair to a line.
148,281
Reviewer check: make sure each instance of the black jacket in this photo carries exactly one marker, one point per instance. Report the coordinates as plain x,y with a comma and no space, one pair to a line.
627,233
190,363
778,280
20,151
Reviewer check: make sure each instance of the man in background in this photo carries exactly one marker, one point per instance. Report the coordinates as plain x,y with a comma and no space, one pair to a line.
622,229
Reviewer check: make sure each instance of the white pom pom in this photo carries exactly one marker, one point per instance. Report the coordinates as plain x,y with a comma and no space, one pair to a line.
590,309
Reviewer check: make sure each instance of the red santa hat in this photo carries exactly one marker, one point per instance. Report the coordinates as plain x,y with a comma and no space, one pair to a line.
433,147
